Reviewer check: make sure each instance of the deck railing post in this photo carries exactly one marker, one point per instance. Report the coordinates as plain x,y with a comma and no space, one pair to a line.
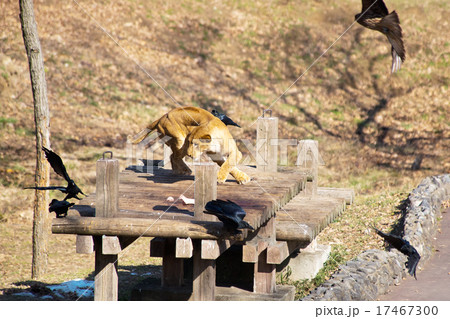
205,188
106,205
309,157
267,142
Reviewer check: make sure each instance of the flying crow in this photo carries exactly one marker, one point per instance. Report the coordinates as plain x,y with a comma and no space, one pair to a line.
375,15
404,247
72,190
60,207
225,119
229,213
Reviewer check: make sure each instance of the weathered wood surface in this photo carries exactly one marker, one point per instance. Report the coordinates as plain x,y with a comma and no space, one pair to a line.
347,194
144,210
303,218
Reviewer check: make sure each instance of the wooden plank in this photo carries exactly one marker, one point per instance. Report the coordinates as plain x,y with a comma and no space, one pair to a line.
183,248
204,276
286,230
212,249
84,244
347,194
142,227
277,253
106,277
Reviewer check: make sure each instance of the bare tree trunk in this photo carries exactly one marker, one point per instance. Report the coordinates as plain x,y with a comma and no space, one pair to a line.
41,220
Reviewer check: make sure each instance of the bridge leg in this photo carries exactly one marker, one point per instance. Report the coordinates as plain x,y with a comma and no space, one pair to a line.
106,279
204,275
264,280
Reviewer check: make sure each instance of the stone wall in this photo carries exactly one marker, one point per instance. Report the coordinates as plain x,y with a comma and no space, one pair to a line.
372,272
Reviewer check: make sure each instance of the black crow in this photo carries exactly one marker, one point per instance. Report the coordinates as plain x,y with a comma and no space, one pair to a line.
375,15
60,207
225,119
404,247
229,213
72,190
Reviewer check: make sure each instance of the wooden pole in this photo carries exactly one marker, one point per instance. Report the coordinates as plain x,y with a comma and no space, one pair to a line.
205,189
106,205
267,143
309,157
204,275
41,219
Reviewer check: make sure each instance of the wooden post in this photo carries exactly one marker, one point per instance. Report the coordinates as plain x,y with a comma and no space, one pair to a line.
204,275
267,143
41,219
205,189
309,157
106,286
173,271
265,274
107,187
106,205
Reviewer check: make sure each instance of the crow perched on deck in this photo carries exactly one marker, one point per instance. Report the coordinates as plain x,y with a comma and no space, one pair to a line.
377,17
229,213
404,247
225,119
60,207
72,190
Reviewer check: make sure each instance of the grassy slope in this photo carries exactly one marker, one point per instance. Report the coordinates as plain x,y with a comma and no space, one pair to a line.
239,56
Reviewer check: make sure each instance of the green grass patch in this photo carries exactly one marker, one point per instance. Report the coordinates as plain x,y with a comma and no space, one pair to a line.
303,287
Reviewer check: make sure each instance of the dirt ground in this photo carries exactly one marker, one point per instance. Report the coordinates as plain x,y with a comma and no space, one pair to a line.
106,64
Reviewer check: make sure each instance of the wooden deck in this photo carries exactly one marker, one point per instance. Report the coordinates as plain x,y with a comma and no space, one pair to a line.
145,211
285,217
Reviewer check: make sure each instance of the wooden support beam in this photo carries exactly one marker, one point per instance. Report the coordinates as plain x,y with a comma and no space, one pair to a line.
84,244
107,205
106,278
277,253
212,249
107,187
205,189
264,280
309,157
137,227
157,247
173,272
110,245
251,251
204,275
183,248
267,143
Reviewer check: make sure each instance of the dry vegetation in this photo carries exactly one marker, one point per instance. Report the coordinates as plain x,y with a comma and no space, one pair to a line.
238,56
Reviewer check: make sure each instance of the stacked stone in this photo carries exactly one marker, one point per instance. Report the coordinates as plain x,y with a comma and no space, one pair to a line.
373,271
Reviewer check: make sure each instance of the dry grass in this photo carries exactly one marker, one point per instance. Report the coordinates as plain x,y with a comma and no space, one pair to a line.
238,56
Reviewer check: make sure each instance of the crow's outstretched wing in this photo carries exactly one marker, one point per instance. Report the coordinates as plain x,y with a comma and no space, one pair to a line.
405,248
413,261
56,163
378,8
59,188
